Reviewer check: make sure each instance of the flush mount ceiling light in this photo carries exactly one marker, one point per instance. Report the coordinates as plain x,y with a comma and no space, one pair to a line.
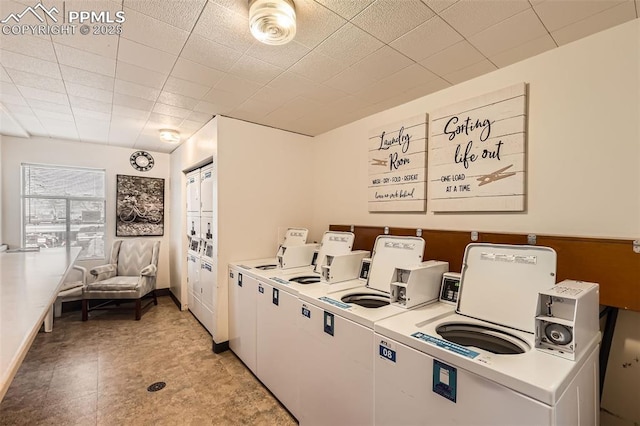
169,136
272,21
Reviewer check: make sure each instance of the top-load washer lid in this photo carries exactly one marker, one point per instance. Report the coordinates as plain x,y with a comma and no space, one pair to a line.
500,283
391,252
333,243
295,237
306,279
267,267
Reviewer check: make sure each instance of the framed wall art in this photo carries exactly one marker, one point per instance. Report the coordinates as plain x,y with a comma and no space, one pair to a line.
139,206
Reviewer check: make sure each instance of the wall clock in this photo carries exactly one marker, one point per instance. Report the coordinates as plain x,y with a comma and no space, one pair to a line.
141,161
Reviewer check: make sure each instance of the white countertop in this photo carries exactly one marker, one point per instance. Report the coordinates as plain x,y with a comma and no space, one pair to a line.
29,284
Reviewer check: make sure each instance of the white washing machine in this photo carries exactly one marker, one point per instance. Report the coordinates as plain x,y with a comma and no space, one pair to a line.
193,192
193,283
479,365
336,337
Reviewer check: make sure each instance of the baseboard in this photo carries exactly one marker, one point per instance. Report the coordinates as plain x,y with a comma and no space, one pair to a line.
175,299
220,347
163,292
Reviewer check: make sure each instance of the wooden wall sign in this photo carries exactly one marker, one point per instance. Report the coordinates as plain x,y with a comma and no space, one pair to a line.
477,153
397,166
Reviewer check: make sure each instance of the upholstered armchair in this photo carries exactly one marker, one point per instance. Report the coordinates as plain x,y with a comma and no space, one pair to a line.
130,275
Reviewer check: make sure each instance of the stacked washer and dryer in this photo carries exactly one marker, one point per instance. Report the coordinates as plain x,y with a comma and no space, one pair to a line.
519,349
202,247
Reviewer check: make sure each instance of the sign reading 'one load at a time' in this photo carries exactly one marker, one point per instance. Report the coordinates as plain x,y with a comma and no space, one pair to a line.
397,166
477,153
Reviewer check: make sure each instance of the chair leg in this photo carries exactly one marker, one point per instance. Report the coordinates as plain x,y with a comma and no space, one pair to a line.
138,309
85,309
155,299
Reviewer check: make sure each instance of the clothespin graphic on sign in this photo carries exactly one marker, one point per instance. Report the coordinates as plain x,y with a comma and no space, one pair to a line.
497,175
376,162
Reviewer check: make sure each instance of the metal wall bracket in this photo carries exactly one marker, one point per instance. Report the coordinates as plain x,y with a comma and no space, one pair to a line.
636,246
419,232
386,230
353,228
474,235
531,239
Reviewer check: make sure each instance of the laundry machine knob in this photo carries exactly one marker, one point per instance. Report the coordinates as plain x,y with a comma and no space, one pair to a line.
558,334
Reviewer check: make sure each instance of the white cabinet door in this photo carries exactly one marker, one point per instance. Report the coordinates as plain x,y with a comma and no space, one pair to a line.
193,225
206,189
207,285
193,191
243,341
193,279
277,344
206,227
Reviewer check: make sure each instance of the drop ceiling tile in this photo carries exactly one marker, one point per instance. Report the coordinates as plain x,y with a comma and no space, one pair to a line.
35,47
94,115
28,79
469,17
252,108
428,88
376,92
323,93
350,81
89,92
130,113
558,14
60,129
290,85
522,27
210,108
482,67
224,26
276,96
45,115
317,67
86,78
315,23
102,45
92,130
220,97
177,100
209,53
142,76
133,89
132,102
427,39
20,62
124,132
255,70
595,23
14,100
524,51
31,124
199,117
179,13
145,57
280,56
185,88
18,109
349,44
49,106
164,120
190,125
91,104
237,85
43,95
152,32
197,73
382,63
172,111
389,19
346,9
4,77
239,7
9,89
453,58
84,60
439,5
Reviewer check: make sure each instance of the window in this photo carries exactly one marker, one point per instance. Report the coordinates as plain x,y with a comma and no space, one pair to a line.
63,206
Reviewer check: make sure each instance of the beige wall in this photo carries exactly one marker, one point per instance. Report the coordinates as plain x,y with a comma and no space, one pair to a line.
114,160
583,165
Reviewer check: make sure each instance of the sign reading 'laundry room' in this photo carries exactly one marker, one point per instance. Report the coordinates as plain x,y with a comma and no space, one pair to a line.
477,153
397,166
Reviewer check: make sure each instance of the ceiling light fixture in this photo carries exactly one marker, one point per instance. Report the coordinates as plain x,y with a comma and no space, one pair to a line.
169,136
272,21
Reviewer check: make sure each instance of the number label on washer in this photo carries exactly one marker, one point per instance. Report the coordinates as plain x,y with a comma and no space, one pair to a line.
385,352
260,288
306,312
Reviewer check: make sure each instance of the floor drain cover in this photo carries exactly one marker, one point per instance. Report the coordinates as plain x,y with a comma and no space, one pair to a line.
156,386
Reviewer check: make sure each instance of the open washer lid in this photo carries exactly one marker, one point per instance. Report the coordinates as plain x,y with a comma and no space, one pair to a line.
295,237
333,243
500,283
391,252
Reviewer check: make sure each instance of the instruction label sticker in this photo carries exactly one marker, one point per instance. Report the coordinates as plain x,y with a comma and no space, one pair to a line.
460,350
335,302
386,351
509,258
306,312
279,280
445,378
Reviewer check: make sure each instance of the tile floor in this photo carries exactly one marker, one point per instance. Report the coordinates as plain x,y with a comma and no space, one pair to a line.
97,373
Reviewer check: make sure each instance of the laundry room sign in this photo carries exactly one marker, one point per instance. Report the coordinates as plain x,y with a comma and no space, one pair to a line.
477,153
397,166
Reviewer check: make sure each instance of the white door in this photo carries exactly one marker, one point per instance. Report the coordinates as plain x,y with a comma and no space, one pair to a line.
336,369
207,284
206,189
193,191
277,344
243,341
193,279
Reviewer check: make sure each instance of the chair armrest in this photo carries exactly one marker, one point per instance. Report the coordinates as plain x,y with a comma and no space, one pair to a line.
149,271
104,271
84,272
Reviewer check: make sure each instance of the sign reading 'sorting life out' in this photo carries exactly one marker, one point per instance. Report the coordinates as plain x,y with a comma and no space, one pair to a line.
397,166
477,153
